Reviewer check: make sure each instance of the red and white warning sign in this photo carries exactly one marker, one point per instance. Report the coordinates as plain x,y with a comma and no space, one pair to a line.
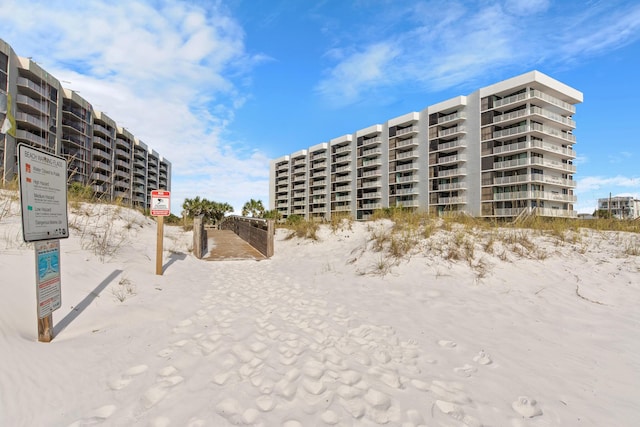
160,203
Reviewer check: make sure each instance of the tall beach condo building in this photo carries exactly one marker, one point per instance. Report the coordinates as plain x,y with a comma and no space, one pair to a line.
36,110
503,151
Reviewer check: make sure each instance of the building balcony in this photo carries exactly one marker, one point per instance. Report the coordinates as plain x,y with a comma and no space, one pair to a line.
460,200
104,166
407,203
100,177
407,131
406,167
511,101
371,152
371,195
451,172
407,155
451,186
25,83
26,102
535,195
406,192
451,159
370,141
509,212
342,149
371,206
527,145
98,153
343,169
449,118
451,131
370,173
22,117
537,177
28,136
318,165
371,184
100,128
372,162
343,178
407,178
341,208
410,142
458,143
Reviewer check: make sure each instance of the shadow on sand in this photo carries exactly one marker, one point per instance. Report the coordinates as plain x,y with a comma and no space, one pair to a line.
176,256
82,305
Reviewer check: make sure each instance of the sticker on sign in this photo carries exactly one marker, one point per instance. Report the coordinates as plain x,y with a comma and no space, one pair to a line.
160,203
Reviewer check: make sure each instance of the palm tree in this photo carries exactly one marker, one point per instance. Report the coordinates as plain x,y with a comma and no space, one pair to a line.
210,210
255,208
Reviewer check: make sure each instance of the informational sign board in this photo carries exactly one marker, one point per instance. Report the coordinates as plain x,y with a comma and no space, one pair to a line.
160,203
43,194
48,277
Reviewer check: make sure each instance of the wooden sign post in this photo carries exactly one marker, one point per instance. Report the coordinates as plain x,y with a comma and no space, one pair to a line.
43,202
160,207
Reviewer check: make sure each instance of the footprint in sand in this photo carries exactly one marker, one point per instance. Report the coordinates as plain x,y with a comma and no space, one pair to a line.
482,358
447,344
99,416
526,407
465,371
457,413
125,379
452,392
167,379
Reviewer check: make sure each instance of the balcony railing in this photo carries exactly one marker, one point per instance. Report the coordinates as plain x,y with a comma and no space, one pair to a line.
451,117
452,172
460,142
408,166
535,195
372,151
406,130
452,186
407,142
376,172
452,159
451,131
371,184
371,206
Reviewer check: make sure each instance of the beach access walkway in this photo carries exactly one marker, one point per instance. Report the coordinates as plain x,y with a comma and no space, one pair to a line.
225,245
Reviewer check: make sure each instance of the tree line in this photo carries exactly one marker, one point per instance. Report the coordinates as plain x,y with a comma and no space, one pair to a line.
214,212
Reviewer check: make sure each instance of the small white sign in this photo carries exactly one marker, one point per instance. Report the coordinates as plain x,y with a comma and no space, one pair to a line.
160,203
48,277
43,194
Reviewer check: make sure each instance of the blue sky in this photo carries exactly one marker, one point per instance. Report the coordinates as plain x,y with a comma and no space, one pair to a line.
221,87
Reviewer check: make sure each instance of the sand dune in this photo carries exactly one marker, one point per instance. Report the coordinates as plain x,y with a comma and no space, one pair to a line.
328,332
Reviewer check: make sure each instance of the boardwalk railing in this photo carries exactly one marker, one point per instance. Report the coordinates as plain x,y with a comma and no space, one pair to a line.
257,232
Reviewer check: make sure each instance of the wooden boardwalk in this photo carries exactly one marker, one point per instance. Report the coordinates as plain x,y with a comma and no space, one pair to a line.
225,245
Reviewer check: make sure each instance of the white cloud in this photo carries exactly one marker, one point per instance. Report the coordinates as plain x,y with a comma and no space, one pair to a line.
596,183
446,44
170,72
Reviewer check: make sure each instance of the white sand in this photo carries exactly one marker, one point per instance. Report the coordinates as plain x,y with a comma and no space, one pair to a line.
317,336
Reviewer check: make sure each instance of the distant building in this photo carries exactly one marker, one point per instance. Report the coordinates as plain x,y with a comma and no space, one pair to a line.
502,151
36,110
622,207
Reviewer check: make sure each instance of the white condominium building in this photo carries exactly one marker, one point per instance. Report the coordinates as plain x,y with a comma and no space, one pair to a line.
500,152
621,207
36,110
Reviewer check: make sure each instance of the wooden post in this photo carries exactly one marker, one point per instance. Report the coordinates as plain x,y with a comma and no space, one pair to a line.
45,329
159,238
